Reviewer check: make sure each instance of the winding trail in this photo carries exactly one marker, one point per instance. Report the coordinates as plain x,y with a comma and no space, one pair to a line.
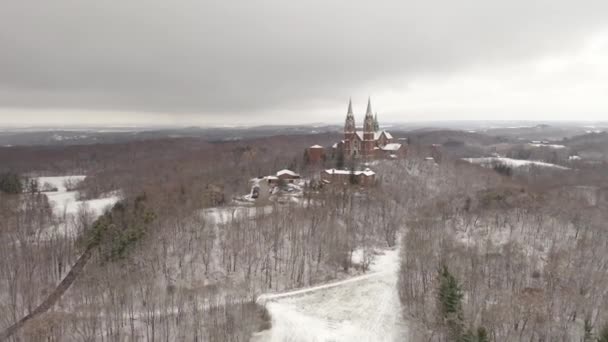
363,308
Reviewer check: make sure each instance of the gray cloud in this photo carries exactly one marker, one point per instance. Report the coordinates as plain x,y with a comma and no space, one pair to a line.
227,57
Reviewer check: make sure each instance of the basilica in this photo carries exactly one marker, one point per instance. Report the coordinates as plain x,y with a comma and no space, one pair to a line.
371,142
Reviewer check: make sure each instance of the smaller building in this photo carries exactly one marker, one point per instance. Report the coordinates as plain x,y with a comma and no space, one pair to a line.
287,176
366,177
391,151
261,190
315,154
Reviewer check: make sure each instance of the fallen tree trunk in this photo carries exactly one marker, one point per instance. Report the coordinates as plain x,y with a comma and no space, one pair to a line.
52,299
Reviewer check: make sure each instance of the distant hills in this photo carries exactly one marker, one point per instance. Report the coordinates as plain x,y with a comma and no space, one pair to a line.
484,131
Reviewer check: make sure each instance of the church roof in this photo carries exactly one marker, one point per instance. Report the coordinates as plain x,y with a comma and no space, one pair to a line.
377,135
391,147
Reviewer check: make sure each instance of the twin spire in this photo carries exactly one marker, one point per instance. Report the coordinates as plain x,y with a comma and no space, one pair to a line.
368,112
369,124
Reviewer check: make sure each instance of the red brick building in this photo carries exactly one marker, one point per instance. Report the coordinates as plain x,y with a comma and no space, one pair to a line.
371,143
315,154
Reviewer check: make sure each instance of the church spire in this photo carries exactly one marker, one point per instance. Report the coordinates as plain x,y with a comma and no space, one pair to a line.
368,123
368,112
376,123
349,125
350,107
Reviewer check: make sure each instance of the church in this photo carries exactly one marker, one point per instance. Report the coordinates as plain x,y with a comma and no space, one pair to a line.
371,142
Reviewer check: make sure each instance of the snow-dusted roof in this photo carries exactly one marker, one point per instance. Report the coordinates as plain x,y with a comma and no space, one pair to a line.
316,146
366,172
377,135
391,147
287,172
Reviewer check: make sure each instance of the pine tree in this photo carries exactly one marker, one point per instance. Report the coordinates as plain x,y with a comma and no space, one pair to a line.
10,183
470,336
588,337
603,335
450,304
482,335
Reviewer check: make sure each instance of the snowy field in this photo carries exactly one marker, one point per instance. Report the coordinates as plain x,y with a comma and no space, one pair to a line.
516,163
364,308
64,202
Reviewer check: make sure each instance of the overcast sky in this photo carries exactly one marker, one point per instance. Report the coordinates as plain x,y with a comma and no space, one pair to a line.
200,62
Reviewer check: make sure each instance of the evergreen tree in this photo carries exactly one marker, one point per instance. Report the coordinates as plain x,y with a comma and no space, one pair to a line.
603,335
450,304
482,335
588,337
10,183
470,336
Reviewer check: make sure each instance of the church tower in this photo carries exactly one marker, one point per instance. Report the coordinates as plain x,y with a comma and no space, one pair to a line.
368,123
349,130
368,131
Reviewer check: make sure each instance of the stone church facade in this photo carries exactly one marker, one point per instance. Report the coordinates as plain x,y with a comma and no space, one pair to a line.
371,142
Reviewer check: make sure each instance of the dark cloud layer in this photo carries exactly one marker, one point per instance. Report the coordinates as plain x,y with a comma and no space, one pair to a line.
230,57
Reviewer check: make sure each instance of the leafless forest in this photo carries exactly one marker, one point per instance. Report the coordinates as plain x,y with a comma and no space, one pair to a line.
167,263
175,261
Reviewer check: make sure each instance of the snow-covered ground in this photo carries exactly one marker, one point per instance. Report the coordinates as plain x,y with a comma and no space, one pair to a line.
65,202
556,146
512,162
363,308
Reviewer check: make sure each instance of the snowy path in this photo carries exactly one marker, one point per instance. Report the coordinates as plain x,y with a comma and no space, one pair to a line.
364,308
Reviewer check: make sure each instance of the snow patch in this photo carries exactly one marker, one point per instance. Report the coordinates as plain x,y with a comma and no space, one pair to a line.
487,161
547,145
64,202
363,308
